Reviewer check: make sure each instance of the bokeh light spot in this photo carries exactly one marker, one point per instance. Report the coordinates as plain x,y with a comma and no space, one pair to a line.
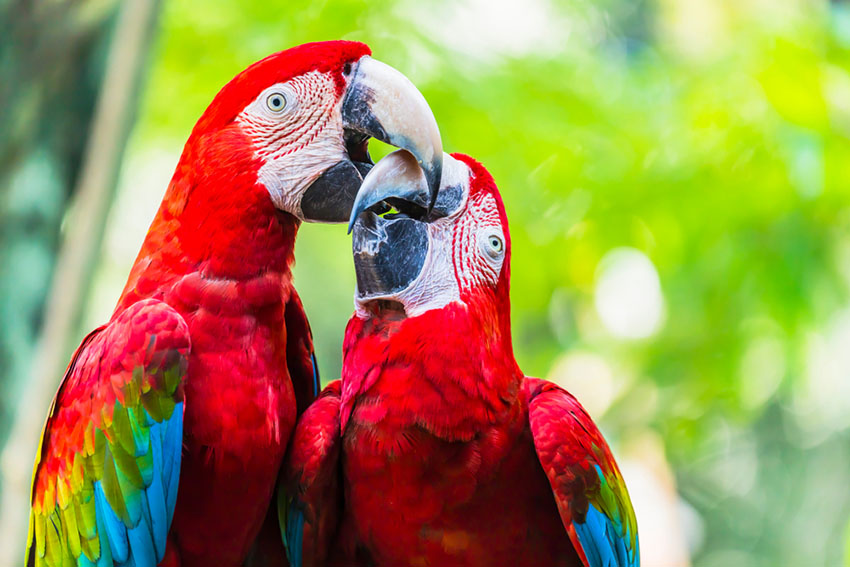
628,294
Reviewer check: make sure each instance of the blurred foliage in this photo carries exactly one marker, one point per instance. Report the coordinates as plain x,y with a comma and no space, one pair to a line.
51,63
711,136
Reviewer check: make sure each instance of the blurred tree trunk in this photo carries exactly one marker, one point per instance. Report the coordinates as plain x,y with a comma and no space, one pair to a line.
69,74
50,72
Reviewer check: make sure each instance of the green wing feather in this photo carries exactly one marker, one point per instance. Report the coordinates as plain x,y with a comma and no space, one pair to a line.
107,469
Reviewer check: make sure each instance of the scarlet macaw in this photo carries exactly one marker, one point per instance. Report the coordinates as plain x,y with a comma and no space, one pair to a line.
209,350
434,448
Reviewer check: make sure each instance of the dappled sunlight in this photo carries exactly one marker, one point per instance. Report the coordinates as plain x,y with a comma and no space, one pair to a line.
822,399
670,530
628,294
589,378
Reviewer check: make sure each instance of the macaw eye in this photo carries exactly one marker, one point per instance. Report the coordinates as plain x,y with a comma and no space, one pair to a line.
276,102
495,245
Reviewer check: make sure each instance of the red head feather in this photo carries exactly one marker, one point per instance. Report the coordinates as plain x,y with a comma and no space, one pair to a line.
324,56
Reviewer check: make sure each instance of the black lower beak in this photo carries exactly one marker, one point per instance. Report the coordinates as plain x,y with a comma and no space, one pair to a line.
389,253
330,197
390,250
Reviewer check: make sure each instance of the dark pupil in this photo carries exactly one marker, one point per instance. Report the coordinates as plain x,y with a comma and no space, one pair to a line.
346,69
276,102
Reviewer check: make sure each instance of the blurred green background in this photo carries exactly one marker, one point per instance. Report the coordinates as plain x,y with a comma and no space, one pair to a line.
676,175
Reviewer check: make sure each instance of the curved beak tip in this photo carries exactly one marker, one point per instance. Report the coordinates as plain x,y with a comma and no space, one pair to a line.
434,176
399,175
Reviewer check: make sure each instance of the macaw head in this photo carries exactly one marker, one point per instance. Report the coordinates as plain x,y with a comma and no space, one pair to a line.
455,256
298,124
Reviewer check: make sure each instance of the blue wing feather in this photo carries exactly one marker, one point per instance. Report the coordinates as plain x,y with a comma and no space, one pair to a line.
156,496
105,559
316,379
294,533
141,545
172,452
600,540
116,533
144,544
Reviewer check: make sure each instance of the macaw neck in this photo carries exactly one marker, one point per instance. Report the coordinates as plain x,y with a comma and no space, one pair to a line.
216,221
236,232
433,365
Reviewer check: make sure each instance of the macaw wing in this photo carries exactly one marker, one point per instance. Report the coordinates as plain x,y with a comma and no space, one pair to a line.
107,470
300,356
591,495
311,502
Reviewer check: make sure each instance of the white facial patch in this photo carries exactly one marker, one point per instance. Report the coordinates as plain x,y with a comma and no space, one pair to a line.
480,252
297,131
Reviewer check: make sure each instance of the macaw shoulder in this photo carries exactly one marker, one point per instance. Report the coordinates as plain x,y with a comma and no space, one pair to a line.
141,336
589,490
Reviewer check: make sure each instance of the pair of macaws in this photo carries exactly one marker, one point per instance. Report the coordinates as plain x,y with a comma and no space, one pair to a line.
175,423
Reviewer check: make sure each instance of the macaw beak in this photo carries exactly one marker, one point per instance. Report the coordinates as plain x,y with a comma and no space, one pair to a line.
397,180
381,103
390,251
